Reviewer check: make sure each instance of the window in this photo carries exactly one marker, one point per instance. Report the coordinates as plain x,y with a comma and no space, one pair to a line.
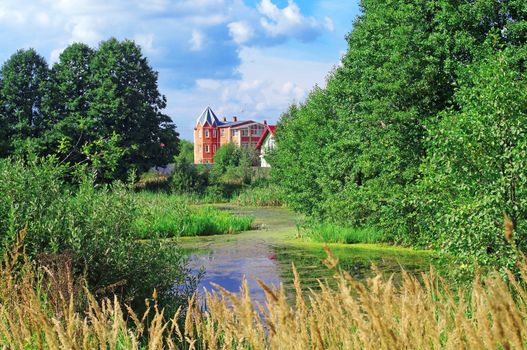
222,132
214,133
245,132
200,148
206,148
234,133
206,133
257,131
214,148
200,133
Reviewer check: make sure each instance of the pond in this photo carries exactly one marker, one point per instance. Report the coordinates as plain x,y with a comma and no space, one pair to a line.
267,254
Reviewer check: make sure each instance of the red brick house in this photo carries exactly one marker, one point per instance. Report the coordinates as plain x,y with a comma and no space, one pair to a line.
210,133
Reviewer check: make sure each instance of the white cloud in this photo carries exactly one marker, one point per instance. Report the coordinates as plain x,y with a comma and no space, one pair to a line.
290,21
196,41
267,86
218,52
146,41
240,32
84,31
55,55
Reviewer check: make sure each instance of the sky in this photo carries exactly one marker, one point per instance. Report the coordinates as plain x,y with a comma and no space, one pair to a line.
245,58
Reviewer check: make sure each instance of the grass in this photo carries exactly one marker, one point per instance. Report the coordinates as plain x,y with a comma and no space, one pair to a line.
419,313
268,196
170,216
332,233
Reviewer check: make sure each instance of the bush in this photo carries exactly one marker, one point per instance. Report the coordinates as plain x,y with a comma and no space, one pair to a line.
188,178
92,222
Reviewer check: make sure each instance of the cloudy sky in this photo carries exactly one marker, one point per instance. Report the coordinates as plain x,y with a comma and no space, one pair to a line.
250,58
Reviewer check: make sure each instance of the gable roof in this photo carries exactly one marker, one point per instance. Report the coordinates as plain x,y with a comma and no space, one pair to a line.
208,116
270,129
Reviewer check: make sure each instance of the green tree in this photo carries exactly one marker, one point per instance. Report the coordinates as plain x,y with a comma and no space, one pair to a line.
68,125
476,169
24,76
352,153
227,156
186,153
4,125
125,100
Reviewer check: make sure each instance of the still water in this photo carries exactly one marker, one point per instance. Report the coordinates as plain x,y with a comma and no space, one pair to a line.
267,254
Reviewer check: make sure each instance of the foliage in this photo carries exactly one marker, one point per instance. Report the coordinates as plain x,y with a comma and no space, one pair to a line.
125,100
22,90
189,178
94,104
233,165
93,223
387,144
475,173
170,216
186,153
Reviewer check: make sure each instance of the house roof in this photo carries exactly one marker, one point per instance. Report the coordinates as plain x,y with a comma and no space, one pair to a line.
270,129
231,124
208,116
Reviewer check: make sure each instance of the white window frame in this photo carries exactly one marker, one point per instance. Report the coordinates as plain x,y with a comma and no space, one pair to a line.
245,132
222,132
200,133
214,133
207,149
214,148
207,134
200,148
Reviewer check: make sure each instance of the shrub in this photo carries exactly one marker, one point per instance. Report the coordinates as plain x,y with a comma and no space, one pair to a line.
93,222
189,178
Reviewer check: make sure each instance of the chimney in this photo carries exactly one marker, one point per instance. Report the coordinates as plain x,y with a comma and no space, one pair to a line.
235,118
265,122
224,119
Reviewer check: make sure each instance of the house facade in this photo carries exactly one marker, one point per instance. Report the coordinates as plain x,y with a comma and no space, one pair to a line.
211,133
266,144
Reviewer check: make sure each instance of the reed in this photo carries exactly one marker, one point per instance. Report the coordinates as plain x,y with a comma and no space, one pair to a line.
418,313
333,233
170,216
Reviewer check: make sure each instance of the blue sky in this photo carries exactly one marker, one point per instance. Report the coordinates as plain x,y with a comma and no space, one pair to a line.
250,58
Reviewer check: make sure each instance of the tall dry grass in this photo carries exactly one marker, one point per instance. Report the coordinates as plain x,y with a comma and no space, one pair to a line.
417,313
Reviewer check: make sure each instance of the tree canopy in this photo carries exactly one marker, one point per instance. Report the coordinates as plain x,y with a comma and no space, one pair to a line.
96,106
385,144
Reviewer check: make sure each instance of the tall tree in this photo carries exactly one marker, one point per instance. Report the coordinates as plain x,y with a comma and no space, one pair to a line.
125,100
4,134
24,76
68,126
